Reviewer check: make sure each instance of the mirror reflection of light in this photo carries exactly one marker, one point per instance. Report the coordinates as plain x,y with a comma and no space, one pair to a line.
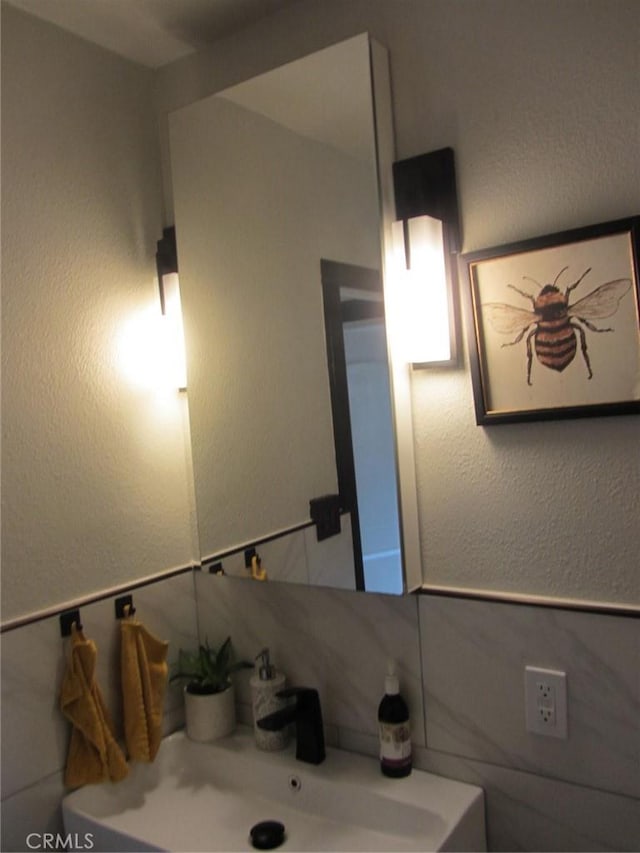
175,330
420,309
147,352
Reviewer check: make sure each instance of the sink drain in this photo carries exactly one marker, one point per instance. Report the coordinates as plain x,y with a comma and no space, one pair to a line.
267,834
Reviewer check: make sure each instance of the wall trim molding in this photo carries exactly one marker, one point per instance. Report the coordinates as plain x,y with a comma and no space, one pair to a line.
91,598
609,608
206,562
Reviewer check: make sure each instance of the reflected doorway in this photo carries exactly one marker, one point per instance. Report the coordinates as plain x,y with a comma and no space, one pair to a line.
362,419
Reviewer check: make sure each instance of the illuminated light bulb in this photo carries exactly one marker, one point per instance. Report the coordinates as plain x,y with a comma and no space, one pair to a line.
420,303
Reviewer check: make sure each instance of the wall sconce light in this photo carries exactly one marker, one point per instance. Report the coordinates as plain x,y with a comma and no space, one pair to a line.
425,240
170,303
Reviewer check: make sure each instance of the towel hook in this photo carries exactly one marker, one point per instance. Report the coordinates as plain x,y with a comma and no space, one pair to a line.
68,620
124,607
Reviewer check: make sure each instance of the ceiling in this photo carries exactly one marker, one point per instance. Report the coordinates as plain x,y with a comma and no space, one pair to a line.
151,32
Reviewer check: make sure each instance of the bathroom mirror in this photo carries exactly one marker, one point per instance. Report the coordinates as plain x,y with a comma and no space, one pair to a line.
270,177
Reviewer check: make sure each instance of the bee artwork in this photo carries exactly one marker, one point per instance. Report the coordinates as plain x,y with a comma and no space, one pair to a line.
552,326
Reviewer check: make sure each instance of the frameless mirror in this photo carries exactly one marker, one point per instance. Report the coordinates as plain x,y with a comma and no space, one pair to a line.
276,186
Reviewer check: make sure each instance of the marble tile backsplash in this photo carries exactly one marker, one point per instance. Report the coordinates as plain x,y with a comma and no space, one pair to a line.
473,656
34,732
525,811
300,558
334,640
461,665
467,659
283,559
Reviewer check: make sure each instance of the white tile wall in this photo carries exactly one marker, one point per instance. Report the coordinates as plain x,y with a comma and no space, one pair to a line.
34,809
299,558
469,658
529,812
466,657
283,559
335,640
34,731
330,561
473,656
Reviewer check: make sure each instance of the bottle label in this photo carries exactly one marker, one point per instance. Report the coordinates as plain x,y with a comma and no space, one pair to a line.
395,744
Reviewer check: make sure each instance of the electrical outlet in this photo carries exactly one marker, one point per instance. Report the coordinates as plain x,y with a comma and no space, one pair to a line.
545,693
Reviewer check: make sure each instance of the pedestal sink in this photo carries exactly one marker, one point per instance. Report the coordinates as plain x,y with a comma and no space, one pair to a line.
207,797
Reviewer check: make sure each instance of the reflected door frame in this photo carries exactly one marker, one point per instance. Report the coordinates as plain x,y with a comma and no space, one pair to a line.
336,276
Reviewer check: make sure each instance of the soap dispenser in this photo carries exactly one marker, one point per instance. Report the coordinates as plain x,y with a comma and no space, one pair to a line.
264,687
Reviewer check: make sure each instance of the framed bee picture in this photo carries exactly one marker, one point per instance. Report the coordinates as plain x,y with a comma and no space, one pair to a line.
554,325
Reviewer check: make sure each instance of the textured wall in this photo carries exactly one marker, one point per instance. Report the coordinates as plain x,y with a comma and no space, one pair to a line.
545,125
595,178
94,477
540,101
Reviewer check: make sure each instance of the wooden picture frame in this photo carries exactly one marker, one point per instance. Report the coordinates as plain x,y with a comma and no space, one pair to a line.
554,325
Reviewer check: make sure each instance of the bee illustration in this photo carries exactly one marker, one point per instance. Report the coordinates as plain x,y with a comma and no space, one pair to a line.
553,323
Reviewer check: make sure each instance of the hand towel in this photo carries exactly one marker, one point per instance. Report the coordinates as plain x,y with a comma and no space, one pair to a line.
144,682
94,754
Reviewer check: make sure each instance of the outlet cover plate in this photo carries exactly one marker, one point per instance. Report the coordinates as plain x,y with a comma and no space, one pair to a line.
546,701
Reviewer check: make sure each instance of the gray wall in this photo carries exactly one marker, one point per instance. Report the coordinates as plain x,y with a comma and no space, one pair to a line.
95,480
538,101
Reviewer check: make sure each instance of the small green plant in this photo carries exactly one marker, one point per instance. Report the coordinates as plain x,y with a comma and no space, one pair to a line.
207,670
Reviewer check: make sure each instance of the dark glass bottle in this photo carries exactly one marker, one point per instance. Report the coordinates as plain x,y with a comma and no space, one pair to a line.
394,730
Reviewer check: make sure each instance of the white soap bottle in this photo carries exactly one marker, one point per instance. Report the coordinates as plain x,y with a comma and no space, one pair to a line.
264,687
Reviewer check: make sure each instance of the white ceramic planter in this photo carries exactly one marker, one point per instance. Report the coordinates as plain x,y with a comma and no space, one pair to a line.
209,717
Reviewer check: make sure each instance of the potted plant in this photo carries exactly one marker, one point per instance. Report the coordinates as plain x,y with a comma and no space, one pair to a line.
209,701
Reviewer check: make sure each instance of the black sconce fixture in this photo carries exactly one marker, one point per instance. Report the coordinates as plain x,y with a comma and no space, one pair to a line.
170,303
426,240
166,259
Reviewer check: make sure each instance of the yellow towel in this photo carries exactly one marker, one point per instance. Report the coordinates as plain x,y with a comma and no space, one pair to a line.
144,681
94,755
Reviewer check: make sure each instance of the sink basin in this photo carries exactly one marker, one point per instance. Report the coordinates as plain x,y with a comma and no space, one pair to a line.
207,797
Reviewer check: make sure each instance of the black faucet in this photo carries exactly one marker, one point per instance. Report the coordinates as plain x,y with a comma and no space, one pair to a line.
307,715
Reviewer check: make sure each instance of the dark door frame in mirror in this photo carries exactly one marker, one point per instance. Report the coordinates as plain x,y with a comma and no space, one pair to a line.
337,276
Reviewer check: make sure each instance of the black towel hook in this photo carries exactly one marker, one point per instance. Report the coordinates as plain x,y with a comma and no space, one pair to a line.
68,620
124,607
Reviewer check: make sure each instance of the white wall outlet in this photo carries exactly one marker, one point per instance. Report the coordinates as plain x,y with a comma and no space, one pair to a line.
545,693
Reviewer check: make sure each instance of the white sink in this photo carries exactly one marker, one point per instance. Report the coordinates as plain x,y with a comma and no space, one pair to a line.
206,797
